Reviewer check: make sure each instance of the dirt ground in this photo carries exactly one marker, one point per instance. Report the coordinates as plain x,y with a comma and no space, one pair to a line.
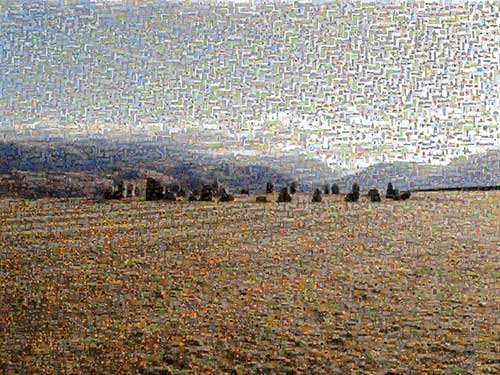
134,287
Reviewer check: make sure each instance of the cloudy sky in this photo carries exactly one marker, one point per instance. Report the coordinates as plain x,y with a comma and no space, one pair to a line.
349,84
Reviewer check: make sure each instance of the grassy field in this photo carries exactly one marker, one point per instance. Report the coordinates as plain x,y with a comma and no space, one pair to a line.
140,287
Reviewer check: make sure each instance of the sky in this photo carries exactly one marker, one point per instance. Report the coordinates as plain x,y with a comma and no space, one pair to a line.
349,83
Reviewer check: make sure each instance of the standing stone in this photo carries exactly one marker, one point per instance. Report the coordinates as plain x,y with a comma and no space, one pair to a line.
169,196
335,189
374,195
355,188
326,189
131,190
124,189
108,193
269,188
396,195
284,196
181,193
293,188
225,197
353,196
405,195
216,187
154,190
390,193
118,191
317,196
193,197
206,193
174,188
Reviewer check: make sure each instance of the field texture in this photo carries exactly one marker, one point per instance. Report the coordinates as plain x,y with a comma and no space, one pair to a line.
409,287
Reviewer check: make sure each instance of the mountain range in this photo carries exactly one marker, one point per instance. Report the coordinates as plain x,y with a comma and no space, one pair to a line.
84,168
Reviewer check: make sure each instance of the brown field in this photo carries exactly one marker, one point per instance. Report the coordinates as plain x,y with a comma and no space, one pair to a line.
140,287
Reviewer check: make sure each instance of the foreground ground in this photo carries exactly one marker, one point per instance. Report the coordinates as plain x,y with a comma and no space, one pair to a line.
243,288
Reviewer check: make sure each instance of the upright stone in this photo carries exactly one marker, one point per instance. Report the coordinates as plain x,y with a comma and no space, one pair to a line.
194,196
169,196
353,196
284,196
355,188
108,193
391,193
130,190
181,193
269,188
118,191
374,195
154,190
206,193
405,195
225,197
317,196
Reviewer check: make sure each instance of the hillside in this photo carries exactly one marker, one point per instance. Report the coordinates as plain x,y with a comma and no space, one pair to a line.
192,166
111,161
476,170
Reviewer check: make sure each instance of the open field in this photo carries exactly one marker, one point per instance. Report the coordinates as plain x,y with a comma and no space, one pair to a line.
245,288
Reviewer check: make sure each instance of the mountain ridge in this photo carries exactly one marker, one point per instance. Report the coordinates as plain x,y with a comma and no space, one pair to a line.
108,161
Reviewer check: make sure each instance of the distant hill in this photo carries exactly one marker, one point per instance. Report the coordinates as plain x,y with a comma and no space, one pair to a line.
184,162
102,162
476,170
32,165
